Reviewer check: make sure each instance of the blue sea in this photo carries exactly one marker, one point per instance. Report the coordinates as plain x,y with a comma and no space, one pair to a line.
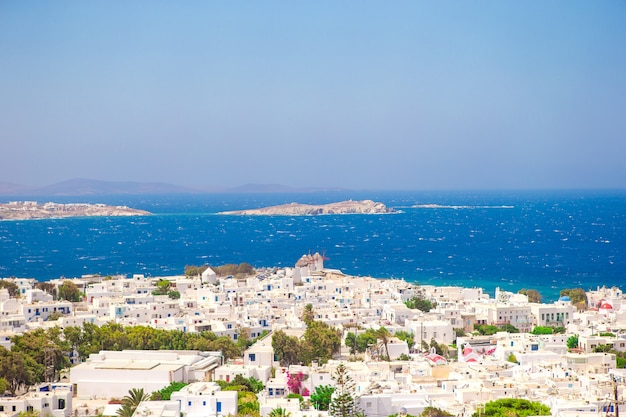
545,240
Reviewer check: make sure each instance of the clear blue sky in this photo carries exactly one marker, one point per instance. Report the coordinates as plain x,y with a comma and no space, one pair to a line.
356,94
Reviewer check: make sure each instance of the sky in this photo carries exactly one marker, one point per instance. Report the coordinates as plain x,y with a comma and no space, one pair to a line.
413,95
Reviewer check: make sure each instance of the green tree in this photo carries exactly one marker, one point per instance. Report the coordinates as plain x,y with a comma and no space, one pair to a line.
17,369
69,291
541,330
241,383
602,348
361,342
242,270
194,271
253,384
165,394
245,269
435,412
486,329
577,296
572,342
512,358
286,348
350,342
343,402
11,287
533,295
4,386
513,407
38,343
408,337
47,287
321,397
509,328
248,409
440,349
321,342
420,303
308,315
163,287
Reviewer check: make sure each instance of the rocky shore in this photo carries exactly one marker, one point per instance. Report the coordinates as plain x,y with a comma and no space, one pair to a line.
26,210
297,209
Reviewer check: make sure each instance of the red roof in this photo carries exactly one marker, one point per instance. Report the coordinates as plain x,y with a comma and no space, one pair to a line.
606,306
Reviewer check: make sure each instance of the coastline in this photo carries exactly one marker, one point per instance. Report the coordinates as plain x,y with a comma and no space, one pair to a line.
32,210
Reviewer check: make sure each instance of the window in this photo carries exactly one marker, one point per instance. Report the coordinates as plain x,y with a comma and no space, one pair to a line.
189,403
219,407
204,403
252,357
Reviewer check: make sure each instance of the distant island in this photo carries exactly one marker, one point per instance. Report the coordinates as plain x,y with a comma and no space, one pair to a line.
25,210
297,209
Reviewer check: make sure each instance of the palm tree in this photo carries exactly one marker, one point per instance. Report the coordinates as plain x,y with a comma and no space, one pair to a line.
279,412
125,410
383,335
131,401
135,397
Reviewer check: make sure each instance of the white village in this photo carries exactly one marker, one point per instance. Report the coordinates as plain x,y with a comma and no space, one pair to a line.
434,358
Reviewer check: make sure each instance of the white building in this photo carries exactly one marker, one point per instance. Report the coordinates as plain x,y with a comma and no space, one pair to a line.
202,399
111,374
559,313
49,400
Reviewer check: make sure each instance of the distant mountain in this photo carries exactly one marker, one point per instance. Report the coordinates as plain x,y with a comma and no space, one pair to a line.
7,188
277,188
89,187
82,186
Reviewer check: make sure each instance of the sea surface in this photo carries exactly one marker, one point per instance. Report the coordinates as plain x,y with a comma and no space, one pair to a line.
544,240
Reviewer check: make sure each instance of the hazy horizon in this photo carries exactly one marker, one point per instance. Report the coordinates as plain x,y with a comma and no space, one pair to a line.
354,95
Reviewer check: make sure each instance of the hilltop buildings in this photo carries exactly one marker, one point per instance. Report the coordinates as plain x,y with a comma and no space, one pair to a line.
480,369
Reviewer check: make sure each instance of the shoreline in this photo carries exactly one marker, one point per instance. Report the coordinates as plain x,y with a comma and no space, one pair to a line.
32,210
